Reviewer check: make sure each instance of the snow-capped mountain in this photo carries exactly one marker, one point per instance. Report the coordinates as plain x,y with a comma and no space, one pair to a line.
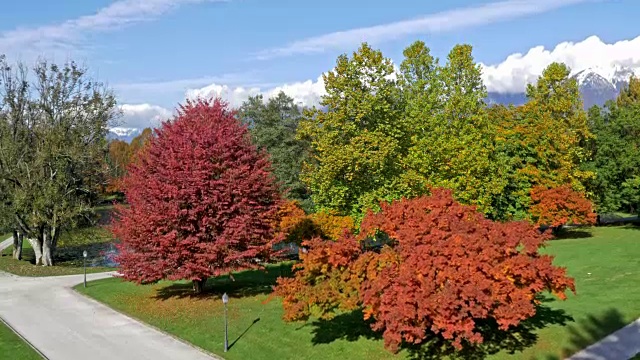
123,133
597,85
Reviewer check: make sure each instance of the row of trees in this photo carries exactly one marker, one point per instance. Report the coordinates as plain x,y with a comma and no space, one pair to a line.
202,201
616,152
382,135
53,126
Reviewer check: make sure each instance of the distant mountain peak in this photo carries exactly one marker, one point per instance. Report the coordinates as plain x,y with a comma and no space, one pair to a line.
597,85
123,133
601,83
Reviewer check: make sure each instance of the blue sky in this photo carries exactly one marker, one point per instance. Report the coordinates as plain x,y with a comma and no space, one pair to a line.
153,52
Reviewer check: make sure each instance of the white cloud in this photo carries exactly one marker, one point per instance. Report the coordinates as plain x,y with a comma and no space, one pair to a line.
307,93
511,75
433,23
518,69
184,84
67,36
143,115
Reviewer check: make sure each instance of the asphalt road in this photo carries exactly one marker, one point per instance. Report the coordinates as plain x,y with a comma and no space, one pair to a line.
64,325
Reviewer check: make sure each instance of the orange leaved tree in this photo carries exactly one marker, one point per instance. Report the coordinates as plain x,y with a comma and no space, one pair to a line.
559,206
293,225
445,267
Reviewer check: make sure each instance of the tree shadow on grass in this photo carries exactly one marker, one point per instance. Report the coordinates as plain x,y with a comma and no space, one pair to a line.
242,284
347,326
351,327
574,233
589,331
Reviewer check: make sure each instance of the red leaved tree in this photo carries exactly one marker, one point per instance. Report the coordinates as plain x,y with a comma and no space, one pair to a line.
201,200
445,267
560,205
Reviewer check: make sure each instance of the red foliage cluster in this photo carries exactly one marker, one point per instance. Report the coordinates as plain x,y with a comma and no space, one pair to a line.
560,205
446,267
201,200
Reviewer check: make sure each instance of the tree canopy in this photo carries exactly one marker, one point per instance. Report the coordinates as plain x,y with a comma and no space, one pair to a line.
445,268
273,125
201,200
53,126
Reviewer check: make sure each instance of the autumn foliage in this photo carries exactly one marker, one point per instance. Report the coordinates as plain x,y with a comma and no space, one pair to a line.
121,154
293,225
559,206
201,200
446,267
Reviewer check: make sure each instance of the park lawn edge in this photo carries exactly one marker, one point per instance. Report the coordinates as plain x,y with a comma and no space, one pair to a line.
29,345
26,269
77,290
21,264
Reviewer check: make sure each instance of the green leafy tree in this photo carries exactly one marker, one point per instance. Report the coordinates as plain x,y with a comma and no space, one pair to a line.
556,98
52,149
452,137
630,94
357,142
273,126
631,194
616,151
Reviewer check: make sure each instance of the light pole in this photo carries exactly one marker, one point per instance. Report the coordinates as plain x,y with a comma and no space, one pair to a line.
84,263
225,301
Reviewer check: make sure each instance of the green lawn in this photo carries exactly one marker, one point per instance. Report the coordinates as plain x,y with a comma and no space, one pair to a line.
12,347
604,261
68,259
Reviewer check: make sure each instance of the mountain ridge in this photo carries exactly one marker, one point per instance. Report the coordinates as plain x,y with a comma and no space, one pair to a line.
597,85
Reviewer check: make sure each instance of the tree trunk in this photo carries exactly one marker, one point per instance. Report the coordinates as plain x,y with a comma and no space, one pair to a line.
55,235
198,286
36,244
17,245
47,248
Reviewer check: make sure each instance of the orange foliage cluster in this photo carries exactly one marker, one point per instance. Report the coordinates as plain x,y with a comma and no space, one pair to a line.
294,225
121,154
561,205
446,266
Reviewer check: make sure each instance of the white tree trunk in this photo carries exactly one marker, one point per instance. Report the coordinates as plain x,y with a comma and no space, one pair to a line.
36,244
47,249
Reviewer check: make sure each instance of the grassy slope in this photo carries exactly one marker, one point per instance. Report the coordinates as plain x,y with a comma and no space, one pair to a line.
12,347
68,257
606,267
605,264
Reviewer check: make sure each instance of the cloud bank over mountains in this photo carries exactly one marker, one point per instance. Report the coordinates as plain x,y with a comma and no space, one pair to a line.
517,70
509,76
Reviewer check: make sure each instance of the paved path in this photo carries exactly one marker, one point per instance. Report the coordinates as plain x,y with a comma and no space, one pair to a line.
64,325
622,344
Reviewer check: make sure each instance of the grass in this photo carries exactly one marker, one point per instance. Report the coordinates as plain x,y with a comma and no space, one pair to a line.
68,259
11,345
604,261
